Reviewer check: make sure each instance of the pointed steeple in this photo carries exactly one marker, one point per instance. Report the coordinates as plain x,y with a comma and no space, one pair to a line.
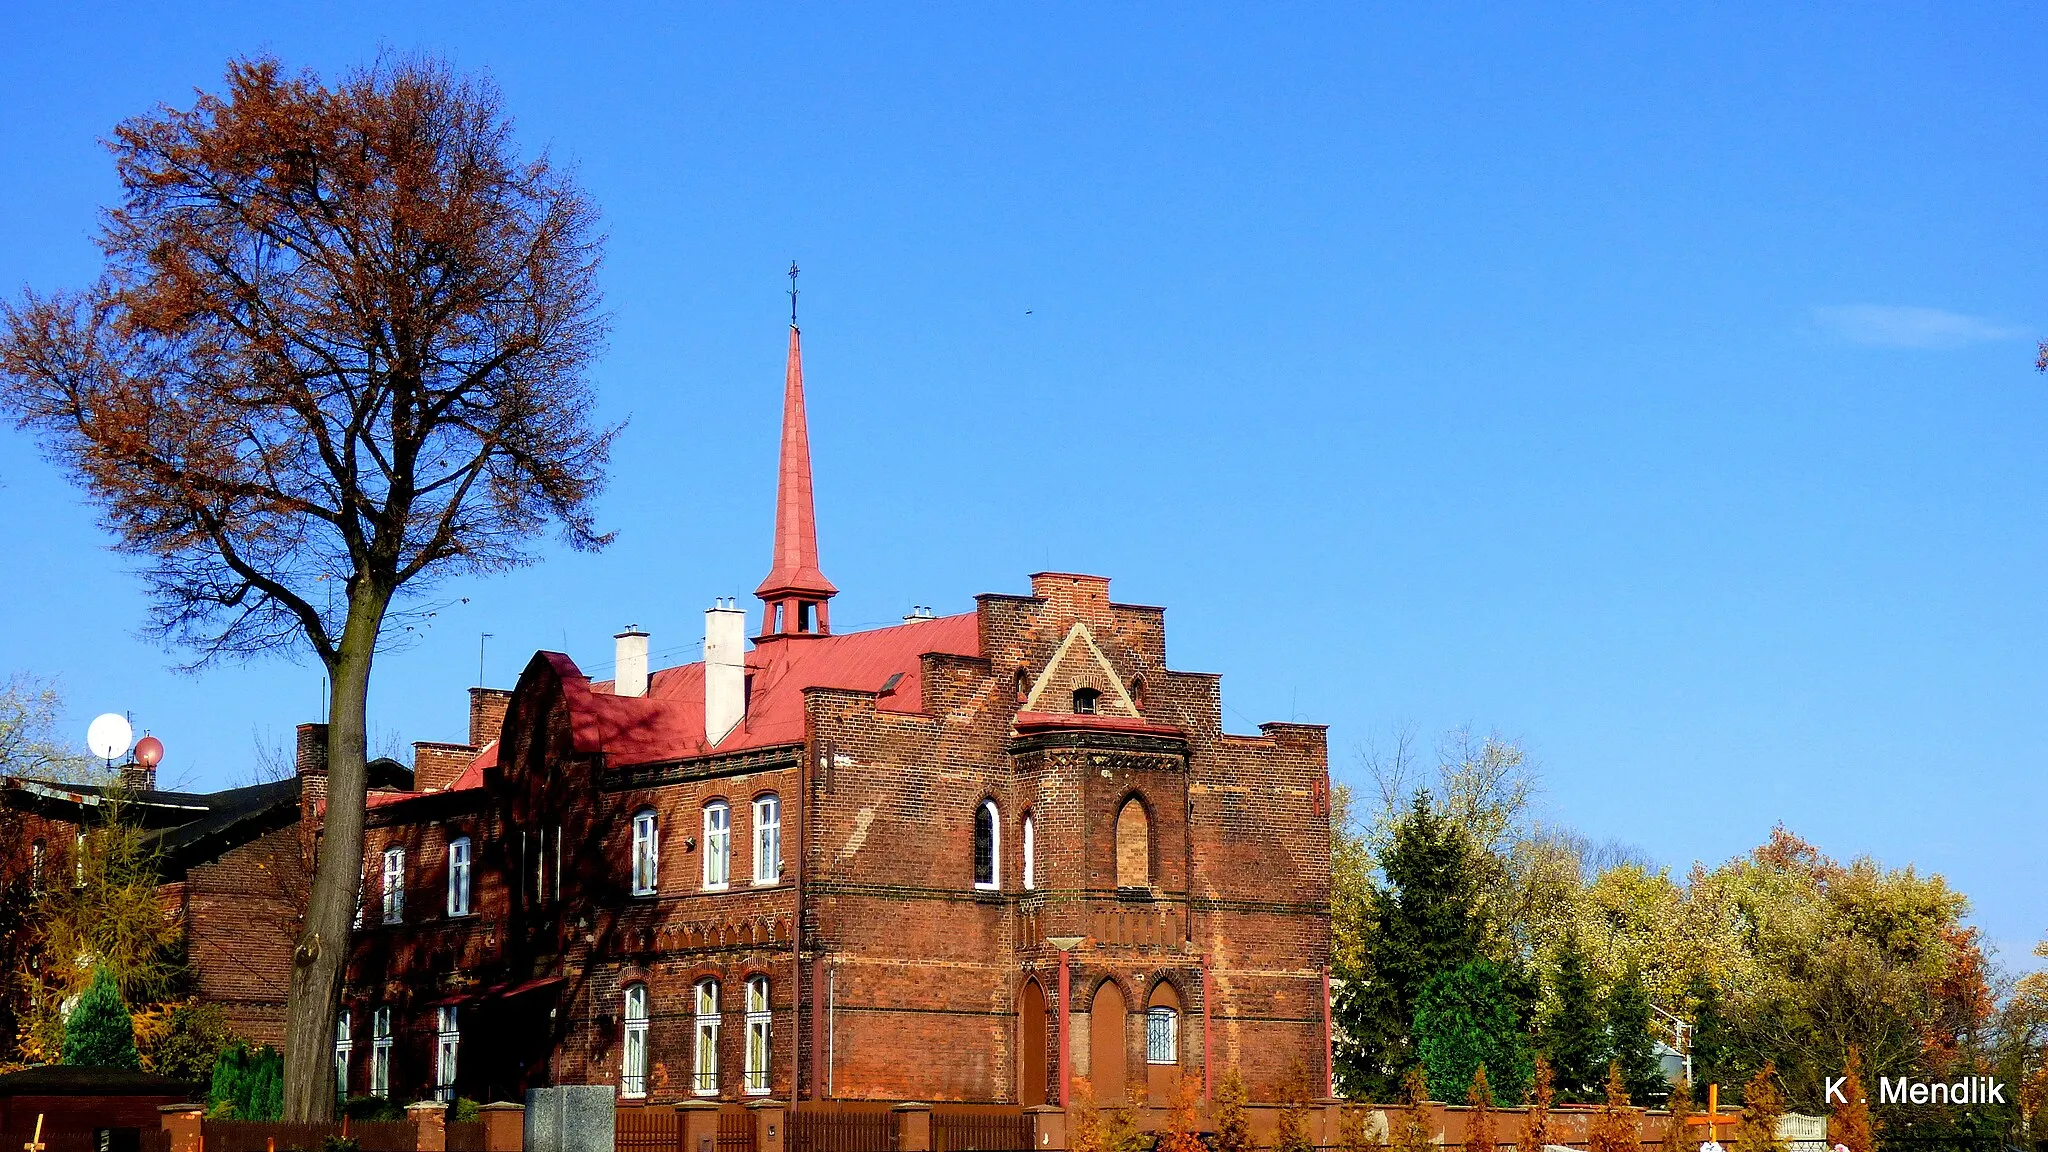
795,591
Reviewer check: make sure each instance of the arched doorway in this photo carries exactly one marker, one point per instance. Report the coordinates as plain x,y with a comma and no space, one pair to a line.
1106,1046
1031,1045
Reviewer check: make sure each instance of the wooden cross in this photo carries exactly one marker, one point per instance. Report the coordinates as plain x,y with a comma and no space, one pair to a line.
35,1143
1713,1116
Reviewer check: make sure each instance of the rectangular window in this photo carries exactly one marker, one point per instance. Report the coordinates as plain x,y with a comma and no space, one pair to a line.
757,1036
558,864
540,869
458,876
633,1065
380,1052
78,861
362,881
1162,1036
706,1077
35,869
767,840
1030,850
344,1043
448,1044
646,854
717,845
394,885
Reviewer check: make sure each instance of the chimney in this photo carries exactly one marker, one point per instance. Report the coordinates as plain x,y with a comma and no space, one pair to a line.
435,765
138,777
312,766
312,758
725,669
629,675
487,714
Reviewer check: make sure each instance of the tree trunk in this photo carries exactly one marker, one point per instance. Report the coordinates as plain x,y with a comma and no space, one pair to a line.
321,957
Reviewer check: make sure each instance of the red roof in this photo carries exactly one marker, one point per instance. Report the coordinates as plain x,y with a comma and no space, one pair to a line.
668,722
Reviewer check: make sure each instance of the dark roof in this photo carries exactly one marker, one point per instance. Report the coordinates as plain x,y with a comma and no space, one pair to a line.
64,1080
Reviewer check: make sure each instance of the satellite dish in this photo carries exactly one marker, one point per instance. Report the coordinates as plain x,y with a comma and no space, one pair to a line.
108,735
149,751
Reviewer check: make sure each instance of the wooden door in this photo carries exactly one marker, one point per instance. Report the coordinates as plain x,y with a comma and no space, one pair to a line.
1031,1045
1108,1054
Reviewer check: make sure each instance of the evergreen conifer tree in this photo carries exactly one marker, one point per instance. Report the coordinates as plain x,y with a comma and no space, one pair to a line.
1614,1127
1762,1107
1633,1045
1575,1036
1480,1133
1233,1126
99,1033
1680,1136
1411,1128
1850,1124
1423,920
1291,1134
1536,1118
1712,1045
1465,1018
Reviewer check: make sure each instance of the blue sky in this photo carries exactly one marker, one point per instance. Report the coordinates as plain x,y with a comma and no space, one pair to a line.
1652,385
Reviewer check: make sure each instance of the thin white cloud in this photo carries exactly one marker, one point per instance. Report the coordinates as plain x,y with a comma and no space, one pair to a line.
1896,326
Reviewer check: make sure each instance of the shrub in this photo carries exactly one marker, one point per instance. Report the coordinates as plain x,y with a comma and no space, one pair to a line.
99,1032
1233,1126
247,1085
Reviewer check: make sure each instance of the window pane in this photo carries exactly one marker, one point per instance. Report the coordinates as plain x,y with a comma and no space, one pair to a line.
1162,1036
767,840
985,845
717,846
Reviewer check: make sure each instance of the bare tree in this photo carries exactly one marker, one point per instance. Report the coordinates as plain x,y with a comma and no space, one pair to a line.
338,351
30,744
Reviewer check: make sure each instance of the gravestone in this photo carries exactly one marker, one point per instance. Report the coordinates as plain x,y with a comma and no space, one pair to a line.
570,1118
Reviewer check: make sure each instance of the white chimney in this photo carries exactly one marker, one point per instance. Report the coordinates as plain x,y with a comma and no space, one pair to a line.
725,668
629,673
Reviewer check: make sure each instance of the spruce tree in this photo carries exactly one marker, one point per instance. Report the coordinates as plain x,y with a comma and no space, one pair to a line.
1466,1018
1614,1126
1679,1136
1480,1133
1411,1128
1712,1045
1423,920
99,1033
1633,1045
1233,1125
1575,1036
1536,1119
1762,1107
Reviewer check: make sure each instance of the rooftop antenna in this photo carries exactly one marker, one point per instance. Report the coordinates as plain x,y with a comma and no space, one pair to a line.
792,293
481,637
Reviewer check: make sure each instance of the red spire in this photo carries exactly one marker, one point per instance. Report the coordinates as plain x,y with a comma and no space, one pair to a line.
795,575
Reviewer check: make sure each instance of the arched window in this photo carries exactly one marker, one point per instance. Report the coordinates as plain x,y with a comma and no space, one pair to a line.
646,852
1133,846
344,1043
1023,686
394,885
1030,850
717,845
633,1059
458,876
1084,701
986,845
757,1035
767,839
1138,693
706,1078
1162,1026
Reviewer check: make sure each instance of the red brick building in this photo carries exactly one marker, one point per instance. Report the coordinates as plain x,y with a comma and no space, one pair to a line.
973,857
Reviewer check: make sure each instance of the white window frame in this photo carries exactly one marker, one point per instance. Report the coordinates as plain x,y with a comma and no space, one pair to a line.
994,883
646,852
1162,1035
447,1048
380,1052
759,1054
1030,839
344,1047
704,1068
717,846
767,839
458,876
37,852
394,885
633,1044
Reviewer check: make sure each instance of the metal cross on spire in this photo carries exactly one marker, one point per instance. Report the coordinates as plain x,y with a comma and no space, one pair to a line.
792,293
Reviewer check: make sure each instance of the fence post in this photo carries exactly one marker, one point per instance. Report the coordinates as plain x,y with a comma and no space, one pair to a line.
697,1126
504,1126
430,1123
1048,1127
183,1122
913,1127
771,1124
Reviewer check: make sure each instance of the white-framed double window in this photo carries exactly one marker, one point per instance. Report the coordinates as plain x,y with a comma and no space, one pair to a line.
447,1046
1030,839
717,845
758,1019
458,876
988,847
705,1080
646,852
767,839
344,1045
633,1052
394,885
380,1052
